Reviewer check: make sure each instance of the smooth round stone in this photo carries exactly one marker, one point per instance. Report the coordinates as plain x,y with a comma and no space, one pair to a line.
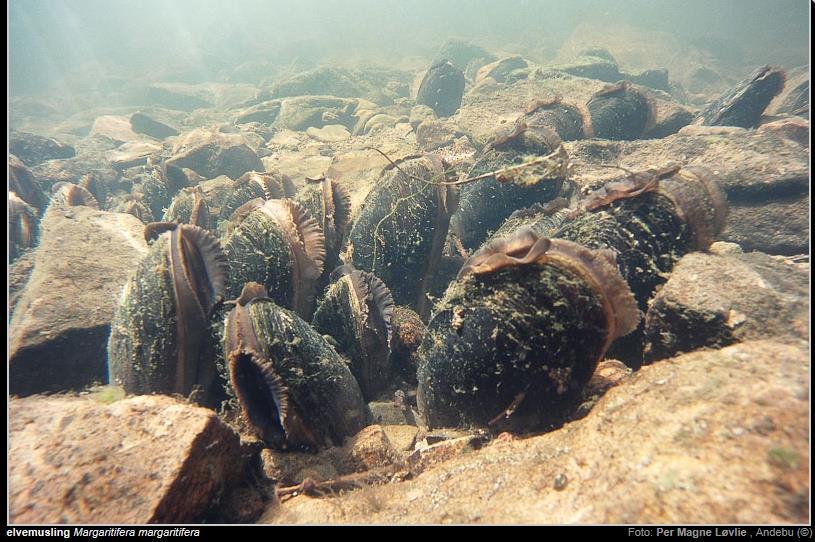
330,133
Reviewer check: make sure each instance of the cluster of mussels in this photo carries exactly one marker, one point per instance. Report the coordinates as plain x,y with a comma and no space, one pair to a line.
531,290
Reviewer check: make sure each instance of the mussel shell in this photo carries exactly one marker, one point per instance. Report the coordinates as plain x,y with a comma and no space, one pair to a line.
743,104
620,112
442,89
356,312
190,206
22,182
23,226
322,392
400,231
330,205
159,322
251,185
529,334
486,203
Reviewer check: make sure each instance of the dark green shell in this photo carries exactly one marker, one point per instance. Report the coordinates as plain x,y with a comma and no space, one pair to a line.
486,203
531,334
620,112
566,120
356,312
287,259
253,185
322,392
744,104
182,207
400,231
156,194
330,205
145,343
442,89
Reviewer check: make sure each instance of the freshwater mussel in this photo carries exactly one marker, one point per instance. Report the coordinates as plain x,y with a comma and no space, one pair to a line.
279,245
356,311
292,386
160,326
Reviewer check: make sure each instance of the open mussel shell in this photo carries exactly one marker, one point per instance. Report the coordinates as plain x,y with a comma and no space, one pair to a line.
329,203
132,205
293,387
400,232
190,206
356,311
69,195
486,203
159,185
22,182
23,226
160,326
281,247
517,337
620,111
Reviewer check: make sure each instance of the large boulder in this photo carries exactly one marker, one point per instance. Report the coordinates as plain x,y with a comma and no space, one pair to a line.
33,149
764,297
58,333
210,153
149,459
764,175
707,437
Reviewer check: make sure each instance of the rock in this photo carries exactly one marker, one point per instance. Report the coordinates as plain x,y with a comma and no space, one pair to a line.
460,53
389,413
378,122
378,85
58,335
433,134
90,158
116,128
419,114
442,89
134,153
19,272
794,98
265,113
300,112
669,115
743,104
500,70
148,459
402,437
368,449
792,128
211,153
33,149
330,133
709,437
177,96
763,298
597,65
290,468
765,178
655,78
144,124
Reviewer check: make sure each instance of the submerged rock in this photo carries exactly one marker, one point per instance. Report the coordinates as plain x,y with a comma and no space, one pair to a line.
33,149
210,153
743,104
144,124
764,298
708,437
58,335
137,460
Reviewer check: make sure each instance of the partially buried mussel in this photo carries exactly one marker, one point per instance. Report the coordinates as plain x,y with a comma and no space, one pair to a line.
519,334
293,387
160,325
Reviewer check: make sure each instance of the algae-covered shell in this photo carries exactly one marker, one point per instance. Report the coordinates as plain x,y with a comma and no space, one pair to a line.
568,121
158,189
281,247
292,385
743,104
329,203
252,185
23,226
620,111
486,203
190,206
517,337
442,89
160,325
356,311
400,231
132,204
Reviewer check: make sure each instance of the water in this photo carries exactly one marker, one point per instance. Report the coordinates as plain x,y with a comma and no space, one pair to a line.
350,92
